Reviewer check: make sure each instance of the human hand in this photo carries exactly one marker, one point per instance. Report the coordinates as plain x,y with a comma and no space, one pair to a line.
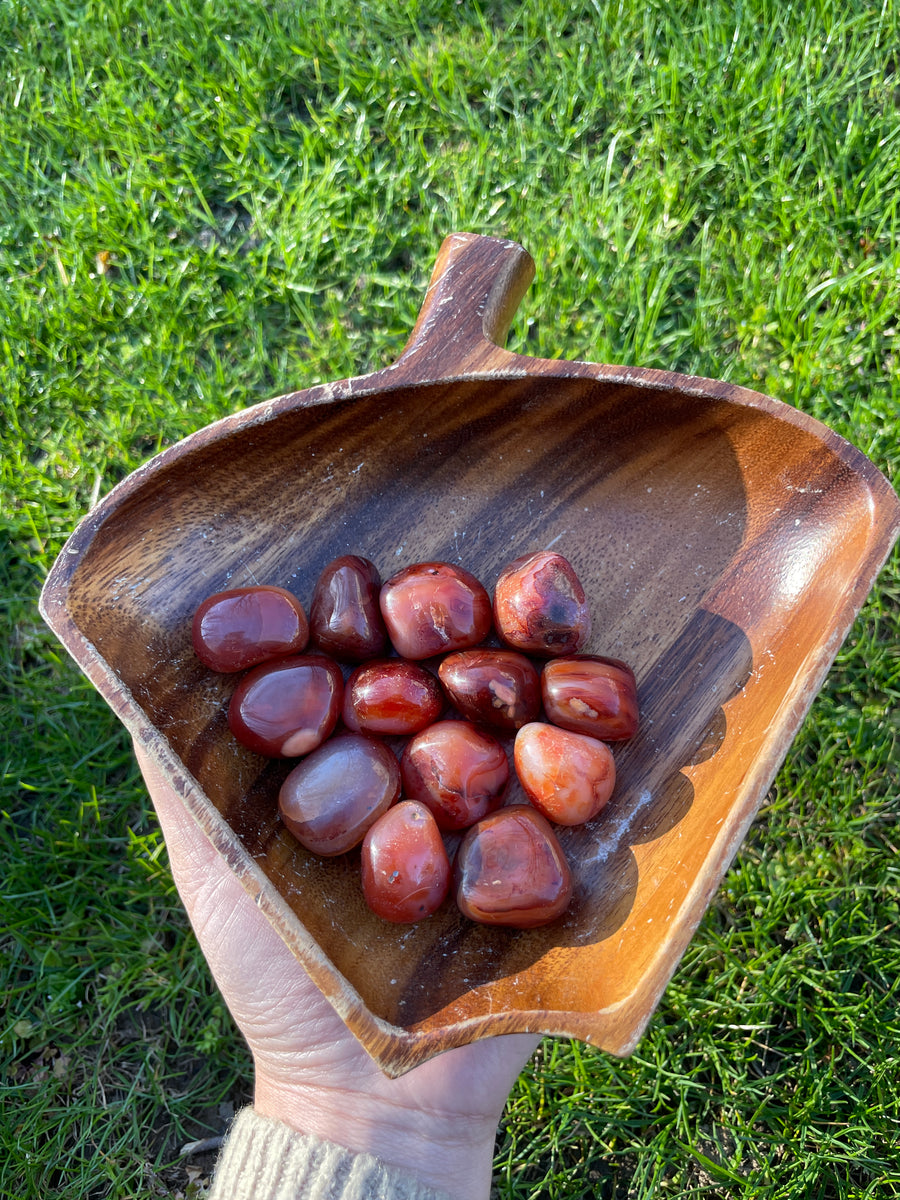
438,1121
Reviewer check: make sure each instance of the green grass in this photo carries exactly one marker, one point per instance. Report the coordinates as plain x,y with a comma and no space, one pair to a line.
202,205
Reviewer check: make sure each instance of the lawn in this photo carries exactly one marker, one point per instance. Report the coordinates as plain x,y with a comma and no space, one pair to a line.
204,205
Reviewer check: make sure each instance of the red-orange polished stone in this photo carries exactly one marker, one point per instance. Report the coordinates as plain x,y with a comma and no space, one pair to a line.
286,708
510,870
497,688
540,606
391,696
333,796
344,617
567,776
434,607
457,771
593,695
405,869
241,628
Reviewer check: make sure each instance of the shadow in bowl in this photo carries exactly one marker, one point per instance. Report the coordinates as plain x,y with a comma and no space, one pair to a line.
711,659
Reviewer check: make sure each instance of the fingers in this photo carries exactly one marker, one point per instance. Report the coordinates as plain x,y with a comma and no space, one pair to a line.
190,851
281,1012
217,902
267,990
227,923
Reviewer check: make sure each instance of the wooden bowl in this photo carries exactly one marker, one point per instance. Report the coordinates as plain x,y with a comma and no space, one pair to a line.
727,542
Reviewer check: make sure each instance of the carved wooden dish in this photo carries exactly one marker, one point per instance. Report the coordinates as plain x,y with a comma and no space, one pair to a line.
727,542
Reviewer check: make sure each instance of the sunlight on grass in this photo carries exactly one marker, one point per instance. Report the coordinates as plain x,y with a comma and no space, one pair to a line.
202,206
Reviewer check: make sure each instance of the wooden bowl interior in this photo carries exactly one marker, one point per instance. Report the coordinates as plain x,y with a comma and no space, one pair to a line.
716,543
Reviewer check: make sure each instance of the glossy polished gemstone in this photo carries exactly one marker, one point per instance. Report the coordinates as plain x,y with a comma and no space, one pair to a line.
592,695
287,708
391,696
511,870
498,688
344,618
458,771
433,608
540,606
567,776
405,869
241,628
335,794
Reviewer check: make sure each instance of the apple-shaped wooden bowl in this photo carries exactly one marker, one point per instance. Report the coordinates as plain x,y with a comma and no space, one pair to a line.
725,540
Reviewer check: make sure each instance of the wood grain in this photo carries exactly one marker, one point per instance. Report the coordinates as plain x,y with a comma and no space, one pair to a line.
727,543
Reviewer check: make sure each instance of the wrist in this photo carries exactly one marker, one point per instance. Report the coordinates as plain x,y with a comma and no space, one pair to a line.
450,1152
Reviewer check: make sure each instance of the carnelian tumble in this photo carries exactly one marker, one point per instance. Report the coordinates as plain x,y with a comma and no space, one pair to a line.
433,607
511,870
405,869
241,628
593,695
336,793
344,617
498,688
540,606
391,696
460,773
567,776
287,708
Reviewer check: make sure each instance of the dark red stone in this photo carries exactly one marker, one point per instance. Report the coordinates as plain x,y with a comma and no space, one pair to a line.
333,796
287,708
458,771
510,870
540,606
391,696
344,618
433,608
498,688
241,628
405,869
593,695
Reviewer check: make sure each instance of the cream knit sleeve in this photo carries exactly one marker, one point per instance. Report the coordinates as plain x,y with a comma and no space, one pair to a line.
265,1160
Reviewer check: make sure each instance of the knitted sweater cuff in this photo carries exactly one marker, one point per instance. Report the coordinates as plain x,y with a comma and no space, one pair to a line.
263,1159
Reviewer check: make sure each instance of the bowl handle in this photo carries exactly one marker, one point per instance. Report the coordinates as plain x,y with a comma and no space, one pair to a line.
475,289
